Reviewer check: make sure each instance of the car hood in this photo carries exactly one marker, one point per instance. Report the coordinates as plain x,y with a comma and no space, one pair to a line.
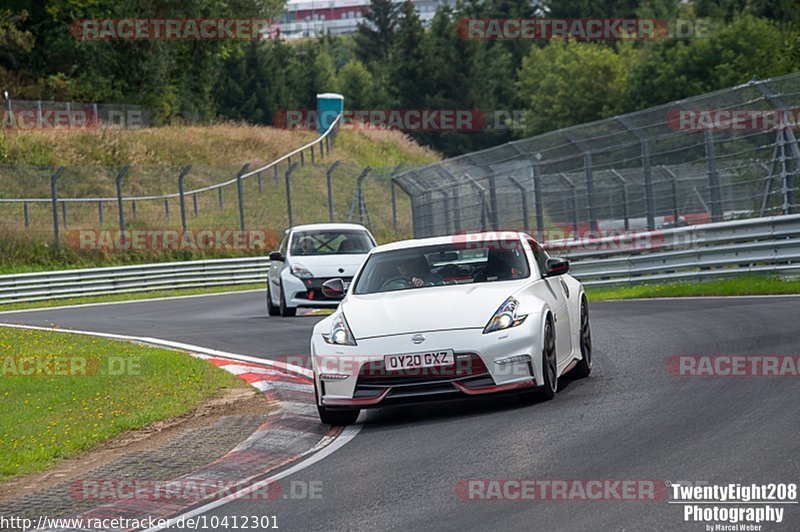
425,309
329,265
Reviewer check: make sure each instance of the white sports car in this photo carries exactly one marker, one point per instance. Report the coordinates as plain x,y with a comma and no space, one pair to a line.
449,317
308,256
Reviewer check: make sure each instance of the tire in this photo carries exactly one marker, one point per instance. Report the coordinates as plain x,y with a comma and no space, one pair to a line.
285,311
584,367
549,387
337,417
272,309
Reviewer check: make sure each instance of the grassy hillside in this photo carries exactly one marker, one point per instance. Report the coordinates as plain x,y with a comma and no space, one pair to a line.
156,156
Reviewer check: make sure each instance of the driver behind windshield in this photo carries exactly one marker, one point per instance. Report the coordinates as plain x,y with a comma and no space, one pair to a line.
418,271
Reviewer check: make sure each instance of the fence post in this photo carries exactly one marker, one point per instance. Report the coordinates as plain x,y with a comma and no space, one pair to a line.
26,214
166,207
674,187
524,191
260,183
100,211
302,159
624,183
574,189
587,160
54,199
64,213
182,197
713,178
219,195
328,176
360,192
313,159
194,204
133,208
120,204
288,178
537,198
240,193
493,202
649,199
482,195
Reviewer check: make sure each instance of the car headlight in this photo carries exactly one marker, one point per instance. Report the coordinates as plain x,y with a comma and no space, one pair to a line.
340,333
298,270
505,317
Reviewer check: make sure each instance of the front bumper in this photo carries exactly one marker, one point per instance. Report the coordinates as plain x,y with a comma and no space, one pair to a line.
355,376
308,292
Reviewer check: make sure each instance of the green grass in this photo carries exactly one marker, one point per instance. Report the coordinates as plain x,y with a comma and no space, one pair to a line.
215,154
48,418
130,296
745,285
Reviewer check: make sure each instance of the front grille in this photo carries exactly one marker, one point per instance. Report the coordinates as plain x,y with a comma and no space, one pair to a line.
375,374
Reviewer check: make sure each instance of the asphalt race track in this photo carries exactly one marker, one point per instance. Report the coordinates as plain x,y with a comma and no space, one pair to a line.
630,420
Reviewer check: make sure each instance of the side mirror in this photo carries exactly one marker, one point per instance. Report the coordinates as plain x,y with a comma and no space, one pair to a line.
276,256
333,288
556,266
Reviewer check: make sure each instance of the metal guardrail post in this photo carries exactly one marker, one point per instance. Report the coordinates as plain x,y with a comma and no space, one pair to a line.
587,161
240,192
100,212
313,159
26,215
54,199
182,196
288,179
537,198
328,177
166,208
120,204
493,202
713,178
649,198
260,183
394,195
673,179
574,191
194,205
360,193
482,202
302,159
133,209
64,213
219,197
624,184
524,191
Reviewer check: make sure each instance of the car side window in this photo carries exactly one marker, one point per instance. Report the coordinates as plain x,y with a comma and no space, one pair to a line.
540,256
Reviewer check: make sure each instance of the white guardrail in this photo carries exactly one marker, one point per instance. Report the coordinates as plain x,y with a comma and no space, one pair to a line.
756,245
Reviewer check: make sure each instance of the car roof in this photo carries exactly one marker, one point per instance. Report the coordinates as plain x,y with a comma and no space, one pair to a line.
449,239
327,226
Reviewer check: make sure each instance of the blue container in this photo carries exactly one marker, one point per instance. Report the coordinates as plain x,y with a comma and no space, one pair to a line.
329,106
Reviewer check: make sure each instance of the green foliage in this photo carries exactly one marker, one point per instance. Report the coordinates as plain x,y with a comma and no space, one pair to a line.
568,83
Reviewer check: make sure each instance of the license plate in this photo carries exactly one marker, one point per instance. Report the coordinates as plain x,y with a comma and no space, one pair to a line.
419,360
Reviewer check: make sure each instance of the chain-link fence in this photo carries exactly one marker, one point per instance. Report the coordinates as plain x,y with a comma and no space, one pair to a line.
723,155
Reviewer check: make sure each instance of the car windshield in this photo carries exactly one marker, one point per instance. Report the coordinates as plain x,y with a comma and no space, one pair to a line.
331,242
444,264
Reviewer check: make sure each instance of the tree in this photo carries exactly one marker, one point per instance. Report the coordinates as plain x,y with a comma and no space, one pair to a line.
375,36
356,85
568,83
